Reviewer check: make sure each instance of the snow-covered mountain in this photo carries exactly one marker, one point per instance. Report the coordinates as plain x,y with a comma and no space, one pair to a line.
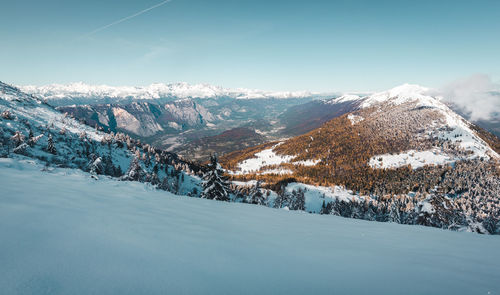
458,130
143,119
174,125
30,128
81,93
403,143
174,116
410,112
176,122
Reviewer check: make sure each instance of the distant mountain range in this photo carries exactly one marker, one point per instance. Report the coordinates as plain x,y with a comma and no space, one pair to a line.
81,93
177,116
190,119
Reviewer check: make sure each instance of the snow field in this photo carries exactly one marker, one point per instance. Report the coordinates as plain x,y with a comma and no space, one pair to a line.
66,233
411,157
354,119
268,157
315,195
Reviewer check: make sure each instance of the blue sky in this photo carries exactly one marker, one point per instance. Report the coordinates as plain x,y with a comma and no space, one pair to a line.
272,45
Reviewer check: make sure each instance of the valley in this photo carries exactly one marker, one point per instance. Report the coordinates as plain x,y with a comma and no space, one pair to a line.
387,156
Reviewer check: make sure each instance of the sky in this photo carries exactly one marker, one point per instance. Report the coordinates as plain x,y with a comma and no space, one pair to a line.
270,45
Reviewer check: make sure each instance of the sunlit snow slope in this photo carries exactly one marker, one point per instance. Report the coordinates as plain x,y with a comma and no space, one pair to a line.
65,233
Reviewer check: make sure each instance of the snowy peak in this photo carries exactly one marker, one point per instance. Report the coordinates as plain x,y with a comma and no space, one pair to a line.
402,94
445,123
345,98
403,126
154,91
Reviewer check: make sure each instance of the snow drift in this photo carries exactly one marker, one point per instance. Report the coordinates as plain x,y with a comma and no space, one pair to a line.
66,233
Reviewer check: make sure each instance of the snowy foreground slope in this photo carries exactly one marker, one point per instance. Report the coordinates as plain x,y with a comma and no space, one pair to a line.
65,233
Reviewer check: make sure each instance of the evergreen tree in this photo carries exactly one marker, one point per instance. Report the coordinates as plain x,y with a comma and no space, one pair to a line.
96,166
135,171
298,200
323,208
30,138
7,115
175,185
240,195
357,209
21,149
117,171
164,185
394,214
491,225
4,143
109,168
50,145
283,198
371,211
17,139
215,185
194,192
154,179
256,195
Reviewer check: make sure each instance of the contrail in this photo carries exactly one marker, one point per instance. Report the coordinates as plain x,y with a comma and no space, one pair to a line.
124,19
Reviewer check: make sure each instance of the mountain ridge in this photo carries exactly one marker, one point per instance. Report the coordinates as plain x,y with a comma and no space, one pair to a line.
356,148
179,90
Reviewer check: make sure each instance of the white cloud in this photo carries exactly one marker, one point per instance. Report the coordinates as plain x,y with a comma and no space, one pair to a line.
476,95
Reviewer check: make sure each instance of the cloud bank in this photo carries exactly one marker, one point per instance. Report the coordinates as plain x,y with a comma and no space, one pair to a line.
478,96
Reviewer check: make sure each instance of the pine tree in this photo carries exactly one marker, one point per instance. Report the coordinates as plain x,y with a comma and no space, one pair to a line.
371,211
193,193
394,214
7,115
30,138
239,195
109,168
256,195
18,138
3,141
215,185
96,165
135,171
164,185
298,200
155,180
323,208
117,171
50,145
175,185
22,149
283,198
491,225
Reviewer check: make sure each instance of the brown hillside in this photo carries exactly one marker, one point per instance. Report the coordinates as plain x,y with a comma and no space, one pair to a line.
344,150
